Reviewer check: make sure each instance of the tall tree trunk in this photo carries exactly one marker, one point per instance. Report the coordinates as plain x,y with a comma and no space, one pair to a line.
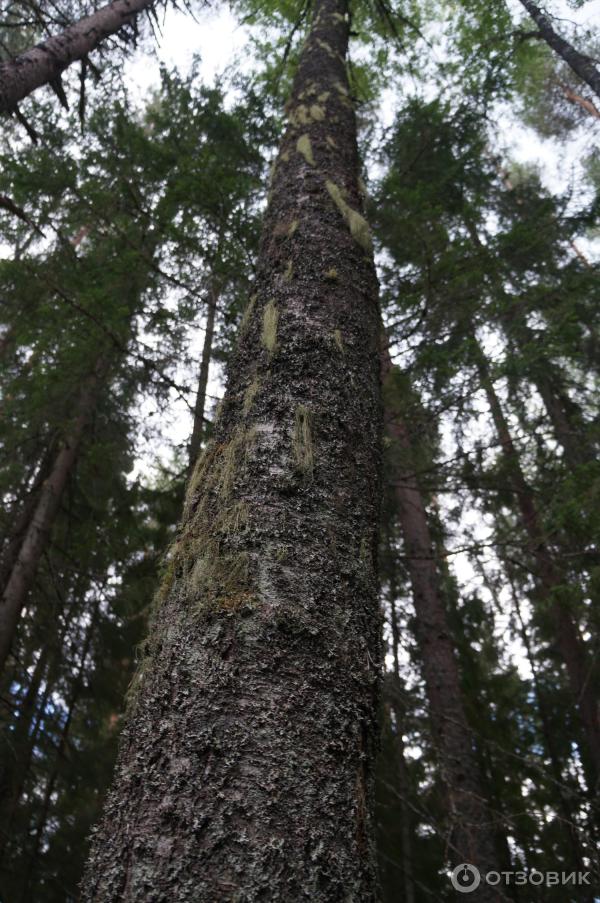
245,769
21,515
200,405
44,63
569,642
581,64
36,537
472,836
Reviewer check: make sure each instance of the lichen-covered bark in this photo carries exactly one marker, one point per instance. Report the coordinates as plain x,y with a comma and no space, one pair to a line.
245,766
46,61
470,820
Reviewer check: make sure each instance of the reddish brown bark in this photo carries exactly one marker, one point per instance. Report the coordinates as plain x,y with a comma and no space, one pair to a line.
471,821
579,101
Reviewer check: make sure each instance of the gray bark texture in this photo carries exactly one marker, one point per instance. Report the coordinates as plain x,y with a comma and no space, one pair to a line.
470,820
45,62
581,64
245,768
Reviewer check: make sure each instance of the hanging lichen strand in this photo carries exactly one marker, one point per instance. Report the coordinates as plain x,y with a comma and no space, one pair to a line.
245,769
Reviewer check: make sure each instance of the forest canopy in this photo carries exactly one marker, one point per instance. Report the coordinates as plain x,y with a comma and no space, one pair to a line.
299,434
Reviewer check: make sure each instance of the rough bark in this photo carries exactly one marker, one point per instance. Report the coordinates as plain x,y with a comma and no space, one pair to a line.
581,64
44,63
36,537
471,822
245,770
200,405
568,639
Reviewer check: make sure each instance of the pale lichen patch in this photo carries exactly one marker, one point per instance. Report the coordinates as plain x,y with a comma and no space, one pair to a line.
247,316
250,394
233,452
304,147
269,330
359,228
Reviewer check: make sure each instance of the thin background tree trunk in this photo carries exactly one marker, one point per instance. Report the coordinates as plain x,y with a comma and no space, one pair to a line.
472,837
200,405
37,534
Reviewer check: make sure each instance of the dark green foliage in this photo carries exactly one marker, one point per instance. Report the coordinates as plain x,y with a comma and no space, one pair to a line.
115,238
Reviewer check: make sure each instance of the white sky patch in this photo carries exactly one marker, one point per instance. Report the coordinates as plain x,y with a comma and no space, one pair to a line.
216,37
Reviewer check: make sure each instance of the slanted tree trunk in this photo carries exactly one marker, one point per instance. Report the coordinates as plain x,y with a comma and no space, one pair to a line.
200,405
472,823
44,63
245,769
36,536
581,64
568,639
21,515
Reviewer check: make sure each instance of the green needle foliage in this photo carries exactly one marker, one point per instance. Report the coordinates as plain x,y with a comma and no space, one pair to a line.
123,220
